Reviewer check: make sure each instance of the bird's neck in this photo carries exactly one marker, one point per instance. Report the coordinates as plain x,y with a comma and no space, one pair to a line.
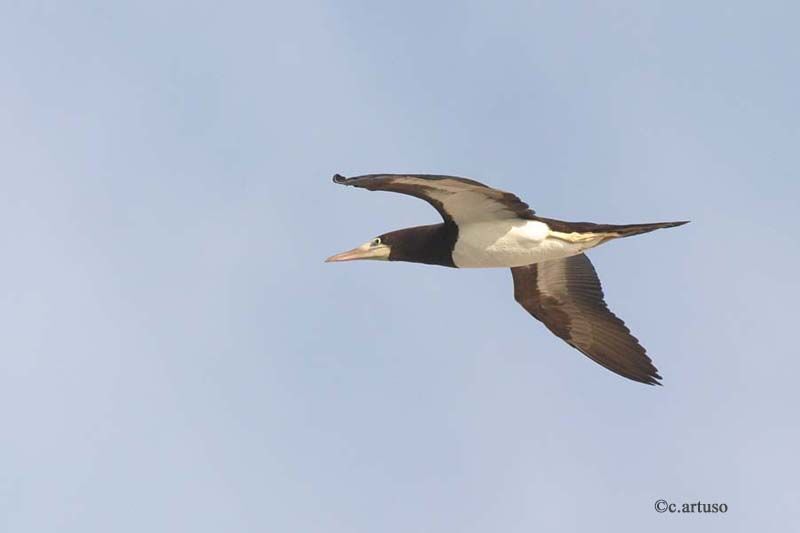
431,245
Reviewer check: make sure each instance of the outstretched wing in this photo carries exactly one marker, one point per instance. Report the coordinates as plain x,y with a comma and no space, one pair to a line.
566,295
458,200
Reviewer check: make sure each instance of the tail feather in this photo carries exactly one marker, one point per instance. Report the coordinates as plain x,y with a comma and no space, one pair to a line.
629,230
613,230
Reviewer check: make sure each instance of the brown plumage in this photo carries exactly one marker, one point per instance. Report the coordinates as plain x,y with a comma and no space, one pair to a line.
566,295
553,280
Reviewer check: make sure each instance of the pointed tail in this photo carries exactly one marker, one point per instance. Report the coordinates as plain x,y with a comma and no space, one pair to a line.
629,230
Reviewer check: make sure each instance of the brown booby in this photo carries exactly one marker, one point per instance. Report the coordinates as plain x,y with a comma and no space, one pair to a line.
553,280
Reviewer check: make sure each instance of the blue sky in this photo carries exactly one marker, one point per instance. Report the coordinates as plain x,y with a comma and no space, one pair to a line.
176,356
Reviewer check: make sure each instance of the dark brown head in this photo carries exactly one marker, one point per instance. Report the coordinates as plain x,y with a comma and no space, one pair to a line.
432,245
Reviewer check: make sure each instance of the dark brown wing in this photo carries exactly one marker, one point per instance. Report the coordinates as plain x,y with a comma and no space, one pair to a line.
566,295
458,200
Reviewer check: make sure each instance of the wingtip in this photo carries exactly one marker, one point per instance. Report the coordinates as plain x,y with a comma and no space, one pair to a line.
655,379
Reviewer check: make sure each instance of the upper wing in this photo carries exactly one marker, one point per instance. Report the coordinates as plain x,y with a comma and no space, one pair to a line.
566,295
458,200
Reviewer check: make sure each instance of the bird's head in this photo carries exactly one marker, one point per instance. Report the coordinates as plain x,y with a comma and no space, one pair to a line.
422,244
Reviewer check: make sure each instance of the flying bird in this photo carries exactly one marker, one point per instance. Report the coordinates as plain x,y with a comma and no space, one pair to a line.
553,279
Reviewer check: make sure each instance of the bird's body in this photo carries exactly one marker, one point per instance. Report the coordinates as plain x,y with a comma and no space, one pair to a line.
489,228
512,243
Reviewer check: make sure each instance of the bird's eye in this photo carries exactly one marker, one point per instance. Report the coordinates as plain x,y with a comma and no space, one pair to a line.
376,241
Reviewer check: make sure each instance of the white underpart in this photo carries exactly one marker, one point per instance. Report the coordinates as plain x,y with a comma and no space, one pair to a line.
515,242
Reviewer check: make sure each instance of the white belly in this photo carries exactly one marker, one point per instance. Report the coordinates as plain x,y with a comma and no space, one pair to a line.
509,243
